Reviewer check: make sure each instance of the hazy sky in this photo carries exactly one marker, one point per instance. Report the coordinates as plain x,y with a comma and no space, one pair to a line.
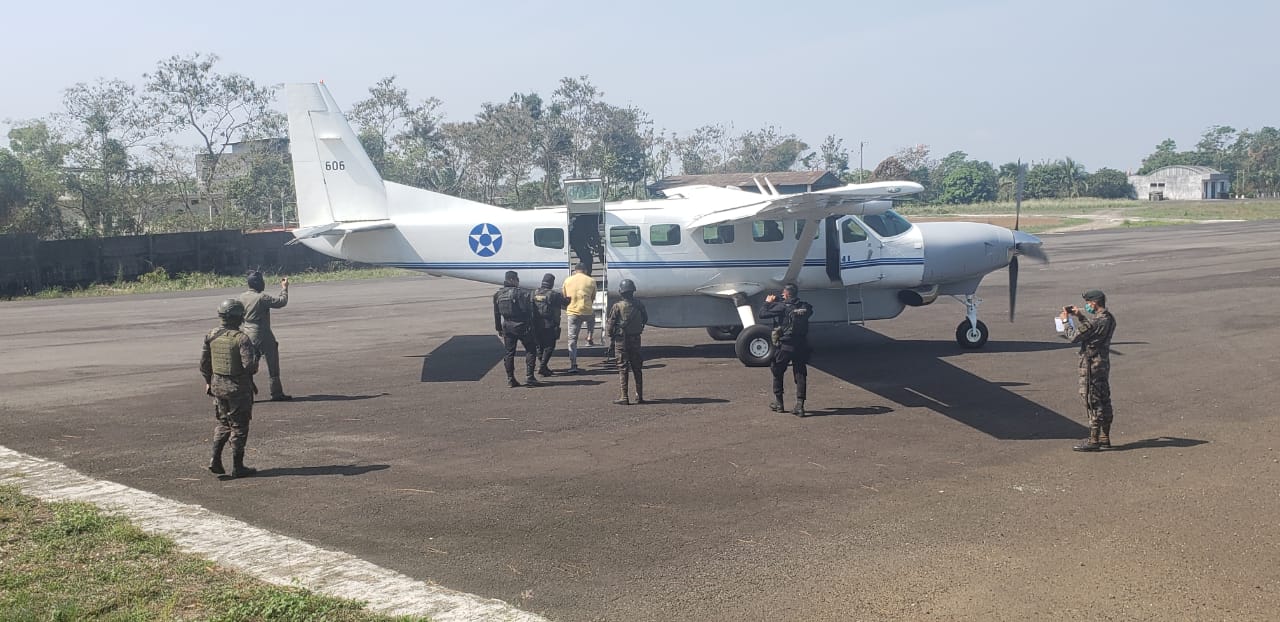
1100,81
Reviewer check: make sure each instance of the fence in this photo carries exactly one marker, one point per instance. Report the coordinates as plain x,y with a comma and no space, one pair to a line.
28,265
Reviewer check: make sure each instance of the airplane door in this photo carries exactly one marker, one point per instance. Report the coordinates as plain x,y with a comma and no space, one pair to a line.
859,253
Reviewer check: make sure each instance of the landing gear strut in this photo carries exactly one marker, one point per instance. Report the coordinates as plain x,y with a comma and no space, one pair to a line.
972,334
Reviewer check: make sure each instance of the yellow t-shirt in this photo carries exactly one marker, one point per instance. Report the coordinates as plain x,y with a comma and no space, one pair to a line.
580,289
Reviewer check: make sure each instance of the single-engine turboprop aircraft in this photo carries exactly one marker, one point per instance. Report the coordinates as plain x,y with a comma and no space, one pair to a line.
703,257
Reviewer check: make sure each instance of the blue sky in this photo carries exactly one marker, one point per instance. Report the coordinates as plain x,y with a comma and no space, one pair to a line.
1102,82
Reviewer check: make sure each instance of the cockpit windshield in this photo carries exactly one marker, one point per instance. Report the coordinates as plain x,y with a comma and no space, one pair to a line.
887,224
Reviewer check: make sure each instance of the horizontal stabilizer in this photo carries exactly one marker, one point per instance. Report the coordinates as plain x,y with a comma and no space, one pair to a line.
338,229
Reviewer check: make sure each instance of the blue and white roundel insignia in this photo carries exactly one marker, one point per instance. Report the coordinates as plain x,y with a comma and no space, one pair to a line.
485,239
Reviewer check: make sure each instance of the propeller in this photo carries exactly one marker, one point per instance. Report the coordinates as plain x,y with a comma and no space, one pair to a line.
1013,285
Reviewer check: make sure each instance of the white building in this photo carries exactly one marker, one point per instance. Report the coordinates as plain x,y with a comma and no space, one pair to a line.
1182,182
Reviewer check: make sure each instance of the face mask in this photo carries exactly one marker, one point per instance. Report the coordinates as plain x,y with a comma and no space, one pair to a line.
1088,306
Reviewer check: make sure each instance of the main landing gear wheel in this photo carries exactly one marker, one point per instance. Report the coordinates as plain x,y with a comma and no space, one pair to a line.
971,338
724,333
755,346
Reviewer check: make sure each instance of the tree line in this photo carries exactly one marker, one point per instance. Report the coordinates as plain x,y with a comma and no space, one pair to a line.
192,148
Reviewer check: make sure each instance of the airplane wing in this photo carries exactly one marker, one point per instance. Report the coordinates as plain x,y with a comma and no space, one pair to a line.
848,199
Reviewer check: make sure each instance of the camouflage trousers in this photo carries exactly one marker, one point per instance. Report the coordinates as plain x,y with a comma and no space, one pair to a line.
1095,389
630,362
233,414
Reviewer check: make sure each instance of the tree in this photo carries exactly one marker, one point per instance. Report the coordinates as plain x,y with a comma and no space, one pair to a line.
107,121
765,150
703,151
1166,154
41,153
1108,183
969,181
221,108
834,157
890,169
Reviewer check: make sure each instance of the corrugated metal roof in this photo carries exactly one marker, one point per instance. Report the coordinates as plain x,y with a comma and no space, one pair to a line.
1191,168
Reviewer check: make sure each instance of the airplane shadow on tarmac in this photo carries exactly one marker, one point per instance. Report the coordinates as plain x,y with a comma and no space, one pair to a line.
319,397
913,374
333,469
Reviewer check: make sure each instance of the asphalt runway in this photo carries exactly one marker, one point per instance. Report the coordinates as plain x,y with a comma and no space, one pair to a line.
932,484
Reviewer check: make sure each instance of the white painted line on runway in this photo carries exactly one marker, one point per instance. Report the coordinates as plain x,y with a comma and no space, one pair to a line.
258,552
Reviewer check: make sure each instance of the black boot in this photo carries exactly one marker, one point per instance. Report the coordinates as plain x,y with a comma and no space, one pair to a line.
776,405
1104,437
639,388
511,382
532,382
799,409
215,463
238,467
1091,444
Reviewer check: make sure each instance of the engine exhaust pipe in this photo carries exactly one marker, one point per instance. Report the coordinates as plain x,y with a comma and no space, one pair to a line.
919,296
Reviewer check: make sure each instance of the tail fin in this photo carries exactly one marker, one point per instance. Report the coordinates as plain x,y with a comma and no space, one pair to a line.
335,179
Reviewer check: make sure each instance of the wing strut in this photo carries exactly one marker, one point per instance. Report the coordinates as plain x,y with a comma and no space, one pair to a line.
802,250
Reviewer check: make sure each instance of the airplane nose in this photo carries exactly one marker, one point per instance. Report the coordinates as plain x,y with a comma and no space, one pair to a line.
955,251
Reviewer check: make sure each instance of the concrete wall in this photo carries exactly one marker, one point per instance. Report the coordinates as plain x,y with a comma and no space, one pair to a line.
28,265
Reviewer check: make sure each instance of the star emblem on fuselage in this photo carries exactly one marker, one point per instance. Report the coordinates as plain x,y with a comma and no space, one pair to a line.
485,240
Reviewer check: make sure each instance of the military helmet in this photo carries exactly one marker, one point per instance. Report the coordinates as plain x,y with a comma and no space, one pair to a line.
232,308
1095,295
627,286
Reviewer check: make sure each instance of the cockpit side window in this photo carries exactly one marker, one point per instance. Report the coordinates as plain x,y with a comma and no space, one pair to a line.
850,231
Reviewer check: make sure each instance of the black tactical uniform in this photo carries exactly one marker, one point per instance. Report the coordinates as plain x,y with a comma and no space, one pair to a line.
548,302
791,337
625,322
514,318
228,362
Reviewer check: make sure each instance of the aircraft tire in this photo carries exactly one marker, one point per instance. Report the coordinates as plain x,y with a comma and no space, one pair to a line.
970,339
724,333
754,346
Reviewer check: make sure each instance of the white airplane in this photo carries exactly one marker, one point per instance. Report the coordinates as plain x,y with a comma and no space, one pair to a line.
703,257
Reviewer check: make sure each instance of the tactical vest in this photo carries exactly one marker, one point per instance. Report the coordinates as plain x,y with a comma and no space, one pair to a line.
629,322
547,311
224,352
795,326
509,305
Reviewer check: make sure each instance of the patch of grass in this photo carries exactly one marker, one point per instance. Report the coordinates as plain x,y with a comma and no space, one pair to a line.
1061,224
158,281
69,561
1209,210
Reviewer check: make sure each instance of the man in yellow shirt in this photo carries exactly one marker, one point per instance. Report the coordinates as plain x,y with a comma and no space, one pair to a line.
580,289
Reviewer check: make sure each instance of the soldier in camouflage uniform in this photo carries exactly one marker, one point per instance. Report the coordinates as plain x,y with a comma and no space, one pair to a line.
514,317
228,362
257,325
625,322
1094,336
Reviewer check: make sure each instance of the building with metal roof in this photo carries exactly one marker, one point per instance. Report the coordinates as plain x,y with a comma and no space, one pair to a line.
1182,182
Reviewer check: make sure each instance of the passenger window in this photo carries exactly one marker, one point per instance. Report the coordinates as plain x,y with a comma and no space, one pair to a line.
624,236
664,235
800,229
717,234
548,238
850,231
767,230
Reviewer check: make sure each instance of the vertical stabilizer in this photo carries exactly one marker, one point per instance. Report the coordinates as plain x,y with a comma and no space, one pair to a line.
335,179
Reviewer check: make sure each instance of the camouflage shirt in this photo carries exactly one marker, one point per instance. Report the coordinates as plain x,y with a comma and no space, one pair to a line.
1094,334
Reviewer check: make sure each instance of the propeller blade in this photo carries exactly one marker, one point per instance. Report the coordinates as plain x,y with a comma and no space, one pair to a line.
1013,285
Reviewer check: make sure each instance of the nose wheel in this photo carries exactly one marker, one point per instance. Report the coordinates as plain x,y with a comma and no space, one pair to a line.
971,337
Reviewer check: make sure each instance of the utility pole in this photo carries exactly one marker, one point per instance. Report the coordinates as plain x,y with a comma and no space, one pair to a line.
861,144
